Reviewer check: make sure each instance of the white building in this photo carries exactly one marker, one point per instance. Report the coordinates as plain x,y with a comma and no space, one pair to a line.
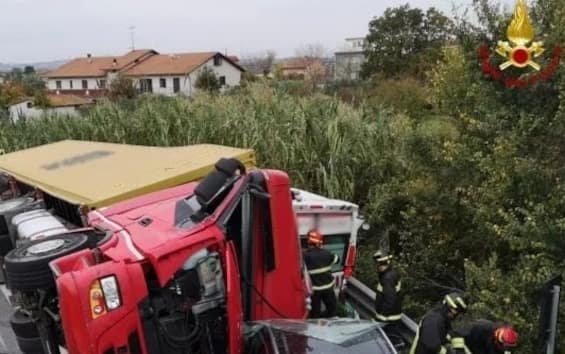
349,58
58,104
166,74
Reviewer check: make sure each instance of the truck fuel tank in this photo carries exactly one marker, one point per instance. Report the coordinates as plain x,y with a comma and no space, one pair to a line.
35,224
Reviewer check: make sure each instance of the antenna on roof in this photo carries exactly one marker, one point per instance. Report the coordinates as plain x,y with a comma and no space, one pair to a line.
132,36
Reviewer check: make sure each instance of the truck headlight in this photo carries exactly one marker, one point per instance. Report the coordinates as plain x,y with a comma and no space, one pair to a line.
104,296
111,292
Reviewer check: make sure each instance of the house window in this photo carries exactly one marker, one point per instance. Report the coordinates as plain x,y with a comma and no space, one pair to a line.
146,85
71,84
163,83
102,84
84,84
58,84
176,85
223,80
217,60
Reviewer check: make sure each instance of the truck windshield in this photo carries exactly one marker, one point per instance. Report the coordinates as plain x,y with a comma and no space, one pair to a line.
329,336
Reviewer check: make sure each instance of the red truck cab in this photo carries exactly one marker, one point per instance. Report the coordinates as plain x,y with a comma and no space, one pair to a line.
179,270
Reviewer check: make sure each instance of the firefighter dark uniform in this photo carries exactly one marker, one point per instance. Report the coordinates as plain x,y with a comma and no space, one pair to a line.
486,337
388,299
319,263
433,334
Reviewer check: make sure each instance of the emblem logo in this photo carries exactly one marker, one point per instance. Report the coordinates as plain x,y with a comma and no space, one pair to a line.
519,53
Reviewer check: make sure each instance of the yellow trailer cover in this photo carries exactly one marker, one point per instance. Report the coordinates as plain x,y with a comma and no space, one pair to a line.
99,174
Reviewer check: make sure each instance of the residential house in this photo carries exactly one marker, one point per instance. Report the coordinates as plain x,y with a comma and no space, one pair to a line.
349,59
177,73
58,104
166,74
299,68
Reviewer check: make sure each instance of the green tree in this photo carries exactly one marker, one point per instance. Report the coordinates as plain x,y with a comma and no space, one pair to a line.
28,69
33,84
405,41
207,81
10,92
122,87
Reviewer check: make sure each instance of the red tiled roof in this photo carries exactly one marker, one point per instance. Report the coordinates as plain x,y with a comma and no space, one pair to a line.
170,64
137,63
97,66
298,63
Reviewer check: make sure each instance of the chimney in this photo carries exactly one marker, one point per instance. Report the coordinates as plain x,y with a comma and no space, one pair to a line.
114,62
89,56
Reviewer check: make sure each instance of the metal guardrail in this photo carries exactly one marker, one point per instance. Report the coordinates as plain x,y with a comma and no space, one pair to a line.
362,298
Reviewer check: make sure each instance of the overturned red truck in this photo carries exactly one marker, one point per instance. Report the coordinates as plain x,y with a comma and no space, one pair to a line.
178,270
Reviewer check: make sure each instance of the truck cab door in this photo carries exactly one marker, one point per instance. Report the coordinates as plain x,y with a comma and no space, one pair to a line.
233,300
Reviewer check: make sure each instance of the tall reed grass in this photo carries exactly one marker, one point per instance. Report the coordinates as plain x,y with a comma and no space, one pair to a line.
324,144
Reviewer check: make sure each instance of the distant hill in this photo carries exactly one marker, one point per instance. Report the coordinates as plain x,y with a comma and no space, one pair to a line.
47,65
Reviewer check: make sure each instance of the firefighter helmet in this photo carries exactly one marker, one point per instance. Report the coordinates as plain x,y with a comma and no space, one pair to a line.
455,301
506,337
315,238
381,257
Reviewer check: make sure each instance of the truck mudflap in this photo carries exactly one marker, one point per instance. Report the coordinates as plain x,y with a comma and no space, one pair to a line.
98,306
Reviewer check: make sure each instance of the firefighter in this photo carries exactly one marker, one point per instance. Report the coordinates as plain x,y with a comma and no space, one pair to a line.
433,332
487,337
388,300
319,263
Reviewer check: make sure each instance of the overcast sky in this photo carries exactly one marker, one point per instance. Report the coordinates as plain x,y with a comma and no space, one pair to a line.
40,30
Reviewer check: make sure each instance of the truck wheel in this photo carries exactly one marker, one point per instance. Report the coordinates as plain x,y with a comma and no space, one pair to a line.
30,345
27,267
5,244
23,326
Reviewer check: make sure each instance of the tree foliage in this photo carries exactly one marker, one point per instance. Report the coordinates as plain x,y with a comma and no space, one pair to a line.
405,41
122,87
207,81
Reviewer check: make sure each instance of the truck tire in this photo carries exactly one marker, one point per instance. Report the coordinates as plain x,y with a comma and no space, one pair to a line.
4,184
23,326
27,267
5,244
30,345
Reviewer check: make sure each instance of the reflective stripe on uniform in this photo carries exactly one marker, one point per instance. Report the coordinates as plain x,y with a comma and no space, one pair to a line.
452,303
442,350
398,287
382,318
323,287
324,269
320,270
459,343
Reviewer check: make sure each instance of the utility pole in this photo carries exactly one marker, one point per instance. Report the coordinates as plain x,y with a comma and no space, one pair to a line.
132,36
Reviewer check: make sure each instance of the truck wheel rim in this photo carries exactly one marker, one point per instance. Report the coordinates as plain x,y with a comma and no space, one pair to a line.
45,247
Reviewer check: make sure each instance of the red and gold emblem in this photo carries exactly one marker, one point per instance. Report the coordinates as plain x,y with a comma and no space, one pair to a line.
520,51
520,32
